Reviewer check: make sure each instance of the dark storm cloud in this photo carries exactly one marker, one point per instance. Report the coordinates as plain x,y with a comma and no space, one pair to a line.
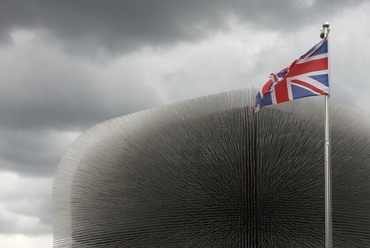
75,107
92,26
32,152
44,89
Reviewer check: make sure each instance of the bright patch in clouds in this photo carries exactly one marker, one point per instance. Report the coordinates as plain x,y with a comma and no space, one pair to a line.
24,241
224,61
24,204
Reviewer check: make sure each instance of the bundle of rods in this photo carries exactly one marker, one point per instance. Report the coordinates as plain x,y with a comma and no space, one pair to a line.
208,172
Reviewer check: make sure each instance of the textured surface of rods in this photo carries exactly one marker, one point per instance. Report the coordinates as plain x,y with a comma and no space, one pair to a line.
209,173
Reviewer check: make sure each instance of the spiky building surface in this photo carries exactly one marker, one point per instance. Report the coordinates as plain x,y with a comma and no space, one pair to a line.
209,173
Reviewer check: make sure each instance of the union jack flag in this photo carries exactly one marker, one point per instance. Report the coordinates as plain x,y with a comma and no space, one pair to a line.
305,77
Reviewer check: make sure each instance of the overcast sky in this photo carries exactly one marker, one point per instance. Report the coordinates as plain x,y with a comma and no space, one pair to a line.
67,65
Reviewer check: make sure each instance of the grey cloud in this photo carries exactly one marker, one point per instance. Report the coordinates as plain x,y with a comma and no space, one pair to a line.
44,89
92,26
32,152
27,205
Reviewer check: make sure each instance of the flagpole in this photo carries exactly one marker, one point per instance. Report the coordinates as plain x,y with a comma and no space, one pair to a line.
328,191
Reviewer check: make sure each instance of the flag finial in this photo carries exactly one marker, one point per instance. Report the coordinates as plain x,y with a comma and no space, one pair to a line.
325,25
325,30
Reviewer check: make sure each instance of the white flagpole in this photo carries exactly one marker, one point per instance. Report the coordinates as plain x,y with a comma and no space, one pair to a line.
328,195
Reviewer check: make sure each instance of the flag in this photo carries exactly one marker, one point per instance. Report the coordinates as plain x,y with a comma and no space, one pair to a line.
306,76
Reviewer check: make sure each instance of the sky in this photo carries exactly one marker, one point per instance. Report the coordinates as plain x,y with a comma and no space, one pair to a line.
68,65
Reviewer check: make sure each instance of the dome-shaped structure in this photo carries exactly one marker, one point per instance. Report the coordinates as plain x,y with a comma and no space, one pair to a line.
209,173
